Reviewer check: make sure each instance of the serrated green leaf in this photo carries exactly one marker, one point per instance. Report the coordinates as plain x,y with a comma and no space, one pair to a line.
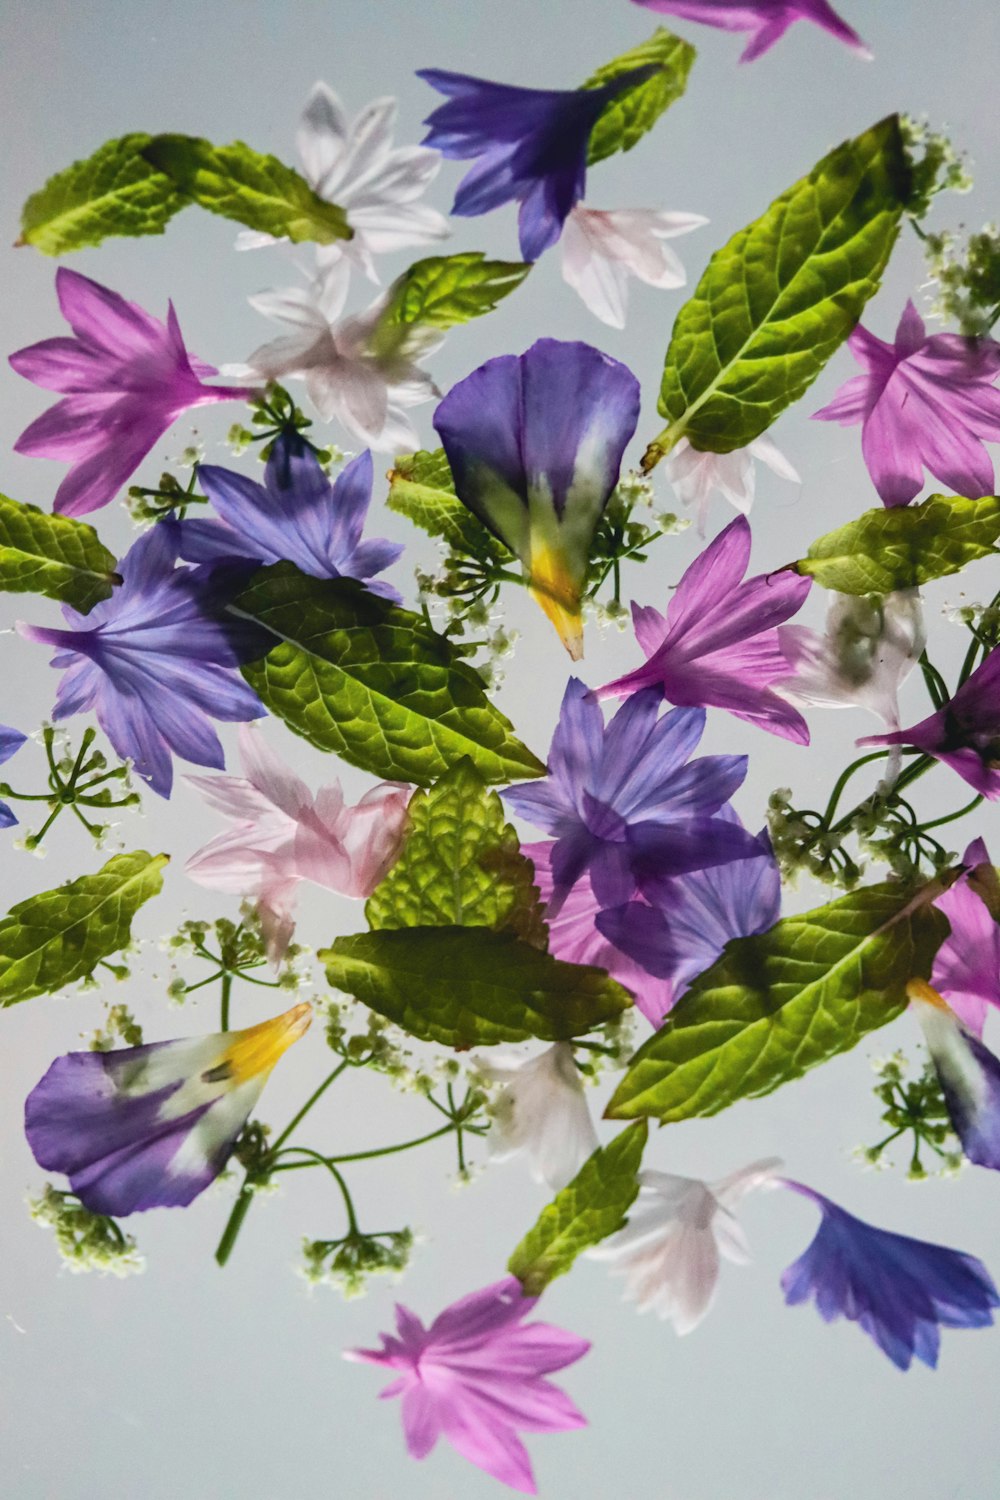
53,555
903,546
467,986
775,1005
114,192
248,186
781,296
461,865
627,117
357,675
443,290
421,488
60,936
585,1212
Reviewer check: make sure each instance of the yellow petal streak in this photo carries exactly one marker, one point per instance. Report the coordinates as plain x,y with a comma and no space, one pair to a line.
558,594
257,1049
920,990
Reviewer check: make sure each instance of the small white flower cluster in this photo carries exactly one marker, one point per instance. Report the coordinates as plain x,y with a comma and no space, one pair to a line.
347,1264
119,1026
367,1039
967,278
937,167
86,1241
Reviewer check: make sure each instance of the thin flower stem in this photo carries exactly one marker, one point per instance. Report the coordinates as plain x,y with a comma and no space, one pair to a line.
843,779
313,1098
227,990
951,817
937,688
352,1222
235,1222
420,1140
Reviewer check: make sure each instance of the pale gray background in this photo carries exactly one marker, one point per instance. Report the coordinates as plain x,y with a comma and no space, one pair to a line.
197,1383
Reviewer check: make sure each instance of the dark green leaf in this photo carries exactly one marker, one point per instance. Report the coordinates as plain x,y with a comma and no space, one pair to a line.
468,986
447,289
53,555
633,112
114,192
902,546
371,682
775,1005
422,488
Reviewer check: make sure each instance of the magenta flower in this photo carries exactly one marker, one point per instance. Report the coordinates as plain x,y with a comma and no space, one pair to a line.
766,20
718,644
125,377
476,1375
967,965
968,1072
924,403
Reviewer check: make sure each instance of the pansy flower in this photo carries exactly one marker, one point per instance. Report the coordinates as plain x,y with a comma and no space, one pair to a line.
765,20
967,1071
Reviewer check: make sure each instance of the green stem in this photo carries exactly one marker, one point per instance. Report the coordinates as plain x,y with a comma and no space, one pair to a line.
235,1222
313,1098
844,778
352,1222
951,817
937,688
227,990
420,1140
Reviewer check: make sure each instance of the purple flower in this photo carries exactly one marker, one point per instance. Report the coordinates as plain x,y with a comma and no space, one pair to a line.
968,1073
718,644
531,145
964,732
924,403
295,516
967,965
535,444
900,1291
476,1375
126,376
767,20
155,662
153,1126
625,804
11,741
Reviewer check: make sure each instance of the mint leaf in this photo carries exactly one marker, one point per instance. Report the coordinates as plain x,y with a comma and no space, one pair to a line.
585,1212
775,1005
775,303
467,986
53,555
372,682
60,936
902,546
422,489
443,290
114,192
254,189
461,865
627,117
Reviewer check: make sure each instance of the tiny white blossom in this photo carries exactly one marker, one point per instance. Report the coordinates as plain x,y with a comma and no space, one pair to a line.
696,474
602,248
541,1110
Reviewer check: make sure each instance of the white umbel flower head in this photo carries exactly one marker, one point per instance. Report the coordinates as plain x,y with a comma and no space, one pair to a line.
602,248
541,1110
696,474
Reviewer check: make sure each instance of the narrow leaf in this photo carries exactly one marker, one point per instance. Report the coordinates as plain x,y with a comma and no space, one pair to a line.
114,192
468,986
627,117
421,487
443,290
60,936
903,546
53,555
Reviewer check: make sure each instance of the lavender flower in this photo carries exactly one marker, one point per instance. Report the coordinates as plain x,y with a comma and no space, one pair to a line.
967,965
11,741
766,20
968,1072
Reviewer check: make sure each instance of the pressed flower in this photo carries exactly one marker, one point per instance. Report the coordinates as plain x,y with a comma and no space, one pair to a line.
11,741
869,648
900,1291
968,1072
766,20
967,965
924,403
153,1126
283,834
669,1250
476,1376
542,1110
602,248
625,803
697,474
125,378
155,662
535,444
718,645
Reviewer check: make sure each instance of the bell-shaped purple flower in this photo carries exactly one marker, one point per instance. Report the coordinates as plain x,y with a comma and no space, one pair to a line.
11,741
967,965
967,1071
718,644
531,146
924,403
900,1291
155,662
766,20
125,377
535,444
625,803
295,516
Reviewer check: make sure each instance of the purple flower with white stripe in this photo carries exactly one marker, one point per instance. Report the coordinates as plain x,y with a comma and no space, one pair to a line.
967,965
11,741
900,1291
766,20
153,1126
624,802
155,662
535,444
968,1073
531,146
295,516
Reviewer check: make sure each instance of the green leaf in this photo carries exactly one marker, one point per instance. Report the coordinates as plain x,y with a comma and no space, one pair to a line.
775,303
60,936
53,555
357,675
902,546
627,117
447,289
461,865
775,1005
422,489
254,189
115,191
467,986
585,1212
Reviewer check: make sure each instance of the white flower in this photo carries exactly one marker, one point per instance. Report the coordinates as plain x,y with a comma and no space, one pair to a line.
541,1110
695,474
668,1251
601,248
355,166
869,648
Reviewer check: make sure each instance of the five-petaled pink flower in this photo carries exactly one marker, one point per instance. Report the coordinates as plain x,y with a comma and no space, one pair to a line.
766,20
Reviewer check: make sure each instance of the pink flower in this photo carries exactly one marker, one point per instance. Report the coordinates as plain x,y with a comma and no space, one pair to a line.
283,834
967,965
476,1375
766,20
924,403
602,248
125,378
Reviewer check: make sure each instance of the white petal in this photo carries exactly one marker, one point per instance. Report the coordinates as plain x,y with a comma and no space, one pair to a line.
294,304
602,284
322,135
543,1111
766,451
332,285
254,239
370,143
